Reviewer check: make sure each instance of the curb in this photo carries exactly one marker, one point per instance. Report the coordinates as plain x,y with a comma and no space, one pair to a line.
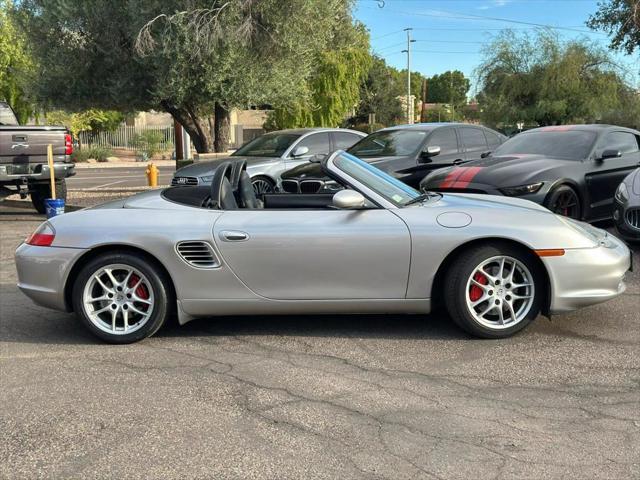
115,189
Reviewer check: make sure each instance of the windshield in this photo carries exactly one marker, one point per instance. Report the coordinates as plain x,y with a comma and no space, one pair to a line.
389,143
383,184
564,144
269,145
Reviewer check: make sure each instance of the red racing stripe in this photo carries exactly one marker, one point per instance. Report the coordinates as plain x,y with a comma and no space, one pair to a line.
452,177
463,180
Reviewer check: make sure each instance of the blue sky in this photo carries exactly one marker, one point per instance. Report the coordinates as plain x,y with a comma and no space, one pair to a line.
450,33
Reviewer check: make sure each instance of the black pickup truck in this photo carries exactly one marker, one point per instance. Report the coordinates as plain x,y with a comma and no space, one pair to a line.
24,169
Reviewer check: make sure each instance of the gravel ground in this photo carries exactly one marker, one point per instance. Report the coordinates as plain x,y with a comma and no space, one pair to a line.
317,396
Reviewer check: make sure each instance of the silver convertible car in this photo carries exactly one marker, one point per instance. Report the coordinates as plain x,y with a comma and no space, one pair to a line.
380,246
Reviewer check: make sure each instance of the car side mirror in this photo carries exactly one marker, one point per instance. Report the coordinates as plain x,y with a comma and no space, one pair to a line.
485,154
610,153
348,200
300,151
430,151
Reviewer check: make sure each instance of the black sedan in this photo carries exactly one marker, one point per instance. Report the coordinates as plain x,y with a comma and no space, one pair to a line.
572,170
626,211
408,152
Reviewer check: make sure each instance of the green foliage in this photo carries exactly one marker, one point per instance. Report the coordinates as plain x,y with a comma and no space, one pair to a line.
148,144
100,154
621,20
541,80
379,94
450,87
88,120
16,65
334,85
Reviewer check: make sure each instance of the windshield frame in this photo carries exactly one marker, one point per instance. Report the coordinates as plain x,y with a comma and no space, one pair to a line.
531,133
331,167
296,139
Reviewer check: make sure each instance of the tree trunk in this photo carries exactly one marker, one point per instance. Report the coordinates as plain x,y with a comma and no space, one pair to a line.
198,128
222,128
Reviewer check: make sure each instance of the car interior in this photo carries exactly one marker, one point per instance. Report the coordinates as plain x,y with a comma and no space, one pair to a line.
231,189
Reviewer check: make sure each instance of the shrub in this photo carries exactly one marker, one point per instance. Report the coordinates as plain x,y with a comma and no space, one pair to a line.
148,144
99,154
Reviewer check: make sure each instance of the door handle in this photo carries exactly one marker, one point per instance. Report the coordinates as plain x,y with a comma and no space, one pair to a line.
19,145
458,161
234,236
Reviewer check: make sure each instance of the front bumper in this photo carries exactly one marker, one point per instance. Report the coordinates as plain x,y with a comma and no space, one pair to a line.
34,172
43,273
621,219
587,276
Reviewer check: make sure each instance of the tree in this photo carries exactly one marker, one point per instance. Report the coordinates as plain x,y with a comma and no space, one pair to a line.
379,95
620,19
195,60
450,87
15,64
540,80
334,86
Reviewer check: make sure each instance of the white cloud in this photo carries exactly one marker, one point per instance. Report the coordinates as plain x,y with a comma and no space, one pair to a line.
493,4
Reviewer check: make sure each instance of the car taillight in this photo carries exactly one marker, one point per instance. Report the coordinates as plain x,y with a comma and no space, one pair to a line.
68,144
42,237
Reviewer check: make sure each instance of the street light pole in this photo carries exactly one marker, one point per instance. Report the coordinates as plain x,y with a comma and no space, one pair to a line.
408,52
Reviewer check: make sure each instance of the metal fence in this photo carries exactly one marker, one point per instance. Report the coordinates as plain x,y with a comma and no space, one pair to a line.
126,137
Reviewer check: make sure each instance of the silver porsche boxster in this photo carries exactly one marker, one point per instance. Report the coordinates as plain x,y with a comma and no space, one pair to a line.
493,263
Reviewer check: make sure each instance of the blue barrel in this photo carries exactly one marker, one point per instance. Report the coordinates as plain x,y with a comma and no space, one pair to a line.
54,207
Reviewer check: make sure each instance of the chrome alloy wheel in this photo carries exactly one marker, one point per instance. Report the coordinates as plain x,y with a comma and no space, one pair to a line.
262,186
118,299
500,292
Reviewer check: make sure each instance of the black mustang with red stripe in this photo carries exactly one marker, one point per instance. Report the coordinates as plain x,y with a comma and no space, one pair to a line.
572,170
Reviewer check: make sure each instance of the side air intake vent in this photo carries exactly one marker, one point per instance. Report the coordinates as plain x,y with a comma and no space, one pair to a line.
198,254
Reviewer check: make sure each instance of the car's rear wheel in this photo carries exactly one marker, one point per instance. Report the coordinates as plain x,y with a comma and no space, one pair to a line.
41,191
564,201
493,291
121,297
263,185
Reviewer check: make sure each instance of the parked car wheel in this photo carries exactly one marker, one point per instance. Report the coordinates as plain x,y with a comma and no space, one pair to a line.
42,191
121,297
564,201
263,185
493,291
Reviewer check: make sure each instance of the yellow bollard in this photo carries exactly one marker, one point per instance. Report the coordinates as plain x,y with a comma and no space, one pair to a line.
152,175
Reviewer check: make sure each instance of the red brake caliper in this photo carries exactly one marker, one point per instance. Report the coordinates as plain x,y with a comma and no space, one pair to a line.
475,292
141,291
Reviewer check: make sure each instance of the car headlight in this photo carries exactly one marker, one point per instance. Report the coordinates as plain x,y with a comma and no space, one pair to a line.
206,179
622,194
522,189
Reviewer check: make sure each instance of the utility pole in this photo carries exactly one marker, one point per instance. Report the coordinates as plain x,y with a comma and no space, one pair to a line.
408,52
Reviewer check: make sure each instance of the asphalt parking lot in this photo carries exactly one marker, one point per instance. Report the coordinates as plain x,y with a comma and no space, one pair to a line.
117,177
317,397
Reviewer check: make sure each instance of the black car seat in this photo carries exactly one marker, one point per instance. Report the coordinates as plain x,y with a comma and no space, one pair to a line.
222,195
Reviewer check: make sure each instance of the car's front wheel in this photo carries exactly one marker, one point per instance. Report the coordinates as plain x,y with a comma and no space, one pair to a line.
262,186
493,291
121,297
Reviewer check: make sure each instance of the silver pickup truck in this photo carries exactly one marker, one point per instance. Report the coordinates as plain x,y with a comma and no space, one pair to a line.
24,169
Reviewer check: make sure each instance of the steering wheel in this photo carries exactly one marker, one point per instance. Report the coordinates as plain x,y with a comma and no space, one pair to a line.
222,197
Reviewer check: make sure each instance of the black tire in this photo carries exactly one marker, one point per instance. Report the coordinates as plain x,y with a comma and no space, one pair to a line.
42,191
160,285
456,291
270,186
565,201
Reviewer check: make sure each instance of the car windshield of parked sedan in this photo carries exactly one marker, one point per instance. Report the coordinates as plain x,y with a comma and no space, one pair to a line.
564,144
389,143
269,145
383,184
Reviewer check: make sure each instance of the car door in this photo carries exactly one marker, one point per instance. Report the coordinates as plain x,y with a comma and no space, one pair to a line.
450,151
473,141
317,143
606,174
316,254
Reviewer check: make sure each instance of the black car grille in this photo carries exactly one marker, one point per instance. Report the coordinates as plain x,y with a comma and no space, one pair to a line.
184,181
302,186
633,217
